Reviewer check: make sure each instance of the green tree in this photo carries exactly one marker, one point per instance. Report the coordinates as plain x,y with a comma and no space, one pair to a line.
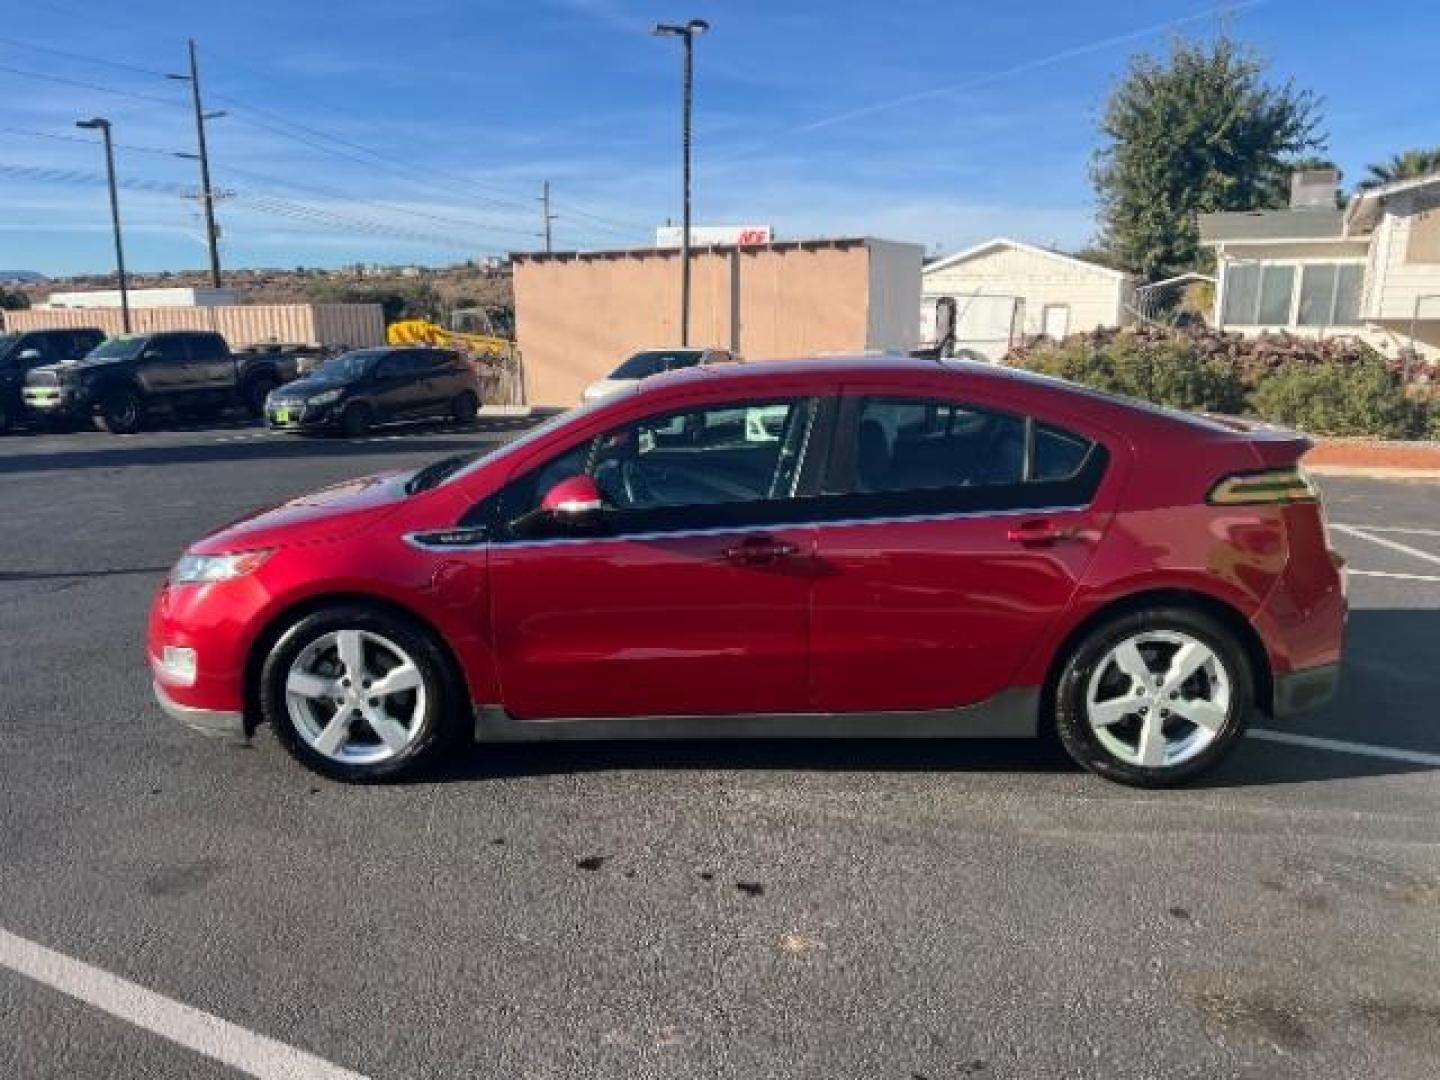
1408,165
1198,131
13,300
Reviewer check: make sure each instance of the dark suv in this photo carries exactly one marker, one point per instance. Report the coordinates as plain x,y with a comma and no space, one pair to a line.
350,393
127,377
22,351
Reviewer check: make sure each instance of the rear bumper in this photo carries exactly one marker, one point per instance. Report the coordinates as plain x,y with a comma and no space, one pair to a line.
1303,690
217,723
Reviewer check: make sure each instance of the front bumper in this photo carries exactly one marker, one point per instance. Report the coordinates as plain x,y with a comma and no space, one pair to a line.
216,723
1303,690
301,416
55,400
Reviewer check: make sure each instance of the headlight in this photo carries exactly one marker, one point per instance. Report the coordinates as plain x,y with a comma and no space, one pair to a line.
198,569
326,397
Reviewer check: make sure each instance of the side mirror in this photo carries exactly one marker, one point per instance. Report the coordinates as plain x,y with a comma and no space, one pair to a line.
29,356
576,498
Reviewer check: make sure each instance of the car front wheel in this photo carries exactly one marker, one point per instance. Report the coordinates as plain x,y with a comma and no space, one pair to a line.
359,694
120,411
1155,697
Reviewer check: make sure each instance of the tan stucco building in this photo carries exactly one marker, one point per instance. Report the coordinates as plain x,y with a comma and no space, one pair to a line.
579,314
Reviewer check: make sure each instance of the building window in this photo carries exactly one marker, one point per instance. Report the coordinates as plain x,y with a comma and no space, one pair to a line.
1258,294
1330,294
1424,243
1263,294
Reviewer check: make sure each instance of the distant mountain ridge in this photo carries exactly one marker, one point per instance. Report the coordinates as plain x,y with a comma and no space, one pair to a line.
21,277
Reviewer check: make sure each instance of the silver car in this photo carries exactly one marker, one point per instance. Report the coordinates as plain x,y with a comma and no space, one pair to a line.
653,362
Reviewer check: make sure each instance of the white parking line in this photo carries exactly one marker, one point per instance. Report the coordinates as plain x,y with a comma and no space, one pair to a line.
1313,742
1393,545
1433,578
191,1028
1404,529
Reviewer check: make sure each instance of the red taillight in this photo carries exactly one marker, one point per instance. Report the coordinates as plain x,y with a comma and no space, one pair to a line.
1289,485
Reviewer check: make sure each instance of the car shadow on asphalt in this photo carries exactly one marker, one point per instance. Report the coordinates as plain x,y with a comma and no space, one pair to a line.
118,453
1389,684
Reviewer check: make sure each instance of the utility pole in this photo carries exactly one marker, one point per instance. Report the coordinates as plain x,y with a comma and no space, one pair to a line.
102,125
546,217
207,193
687,33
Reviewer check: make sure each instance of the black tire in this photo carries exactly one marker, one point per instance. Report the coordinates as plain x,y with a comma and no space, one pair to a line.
465,407
5,419
120,411
440,725
254,392
1072,686
355,421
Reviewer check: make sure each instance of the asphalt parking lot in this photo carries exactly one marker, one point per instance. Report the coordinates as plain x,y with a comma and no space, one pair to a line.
910,910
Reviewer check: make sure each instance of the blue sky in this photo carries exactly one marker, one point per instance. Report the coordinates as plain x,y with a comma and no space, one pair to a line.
421,131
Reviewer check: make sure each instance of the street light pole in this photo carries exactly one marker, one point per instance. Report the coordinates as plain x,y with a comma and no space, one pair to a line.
207,193
687,34
103,126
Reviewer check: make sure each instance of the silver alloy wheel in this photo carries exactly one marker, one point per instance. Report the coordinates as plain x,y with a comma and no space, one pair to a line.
1158,699
356,697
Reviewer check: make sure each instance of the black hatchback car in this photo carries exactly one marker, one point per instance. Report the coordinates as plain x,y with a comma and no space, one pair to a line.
353,392
20,352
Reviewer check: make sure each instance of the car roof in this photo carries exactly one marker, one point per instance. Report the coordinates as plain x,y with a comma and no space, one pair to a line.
828,370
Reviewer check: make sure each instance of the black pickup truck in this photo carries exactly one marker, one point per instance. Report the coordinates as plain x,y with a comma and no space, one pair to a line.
126,378
23,350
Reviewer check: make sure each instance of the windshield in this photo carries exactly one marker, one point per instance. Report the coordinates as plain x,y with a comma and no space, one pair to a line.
434,474
6,341
351,365
117,348
655,362
540,431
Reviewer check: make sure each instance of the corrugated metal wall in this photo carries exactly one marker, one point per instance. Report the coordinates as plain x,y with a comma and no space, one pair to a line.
249,324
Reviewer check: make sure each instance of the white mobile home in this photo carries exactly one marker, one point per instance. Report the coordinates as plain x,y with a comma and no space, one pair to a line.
1006,292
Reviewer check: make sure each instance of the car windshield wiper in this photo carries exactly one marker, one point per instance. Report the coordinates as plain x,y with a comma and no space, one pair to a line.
436,472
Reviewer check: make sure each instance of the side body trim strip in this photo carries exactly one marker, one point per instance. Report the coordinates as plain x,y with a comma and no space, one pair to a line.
1010,714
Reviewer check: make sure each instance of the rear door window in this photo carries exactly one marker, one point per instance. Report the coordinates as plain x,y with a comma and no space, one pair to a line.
897,456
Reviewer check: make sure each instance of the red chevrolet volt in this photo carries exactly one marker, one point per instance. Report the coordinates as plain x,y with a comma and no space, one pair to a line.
877,547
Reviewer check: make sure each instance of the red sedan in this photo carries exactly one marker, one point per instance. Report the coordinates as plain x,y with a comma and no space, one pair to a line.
879,547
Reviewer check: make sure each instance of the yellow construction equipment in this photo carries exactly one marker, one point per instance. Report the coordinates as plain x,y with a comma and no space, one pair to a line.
421,332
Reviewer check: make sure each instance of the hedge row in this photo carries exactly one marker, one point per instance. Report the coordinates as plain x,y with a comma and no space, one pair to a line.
1325,390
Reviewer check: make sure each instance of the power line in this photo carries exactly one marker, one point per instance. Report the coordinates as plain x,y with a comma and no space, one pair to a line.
88,142
61,80
311,136
119,65
253,201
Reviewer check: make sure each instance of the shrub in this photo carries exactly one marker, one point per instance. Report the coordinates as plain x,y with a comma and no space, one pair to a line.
1167,370
1363,398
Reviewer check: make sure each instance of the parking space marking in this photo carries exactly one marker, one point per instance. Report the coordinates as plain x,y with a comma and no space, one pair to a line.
1314,742
220,1040
1410,529
1433,578
1393,545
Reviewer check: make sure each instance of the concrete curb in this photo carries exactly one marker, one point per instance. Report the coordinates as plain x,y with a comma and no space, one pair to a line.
1375,472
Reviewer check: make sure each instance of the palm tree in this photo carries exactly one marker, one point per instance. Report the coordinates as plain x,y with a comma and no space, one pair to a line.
1407,166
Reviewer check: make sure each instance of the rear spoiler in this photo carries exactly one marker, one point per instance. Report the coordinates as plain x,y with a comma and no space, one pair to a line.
1275,446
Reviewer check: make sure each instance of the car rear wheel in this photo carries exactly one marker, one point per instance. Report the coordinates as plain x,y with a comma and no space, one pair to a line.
5,420
120,411
359,694
356,420
465,407
1155,697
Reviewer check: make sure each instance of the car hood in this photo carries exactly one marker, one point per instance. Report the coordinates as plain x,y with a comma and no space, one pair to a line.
308,387
328,514
77,367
